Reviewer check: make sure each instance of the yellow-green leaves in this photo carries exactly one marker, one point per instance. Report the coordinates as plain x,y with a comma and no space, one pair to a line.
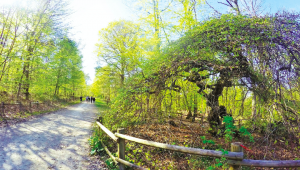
121,46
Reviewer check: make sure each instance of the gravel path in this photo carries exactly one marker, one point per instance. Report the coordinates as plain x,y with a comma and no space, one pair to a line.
57,140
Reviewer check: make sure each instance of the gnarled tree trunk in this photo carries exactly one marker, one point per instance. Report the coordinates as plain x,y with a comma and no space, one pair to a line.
213,102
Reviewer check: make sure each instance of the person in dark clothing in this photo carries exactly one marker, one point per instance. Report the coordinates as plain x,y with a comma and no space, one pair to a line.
94,99
91,99
80,98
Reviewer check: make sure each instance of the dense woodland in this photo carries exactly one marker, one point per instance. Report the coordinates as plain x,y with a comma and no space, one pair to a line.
183,73
38,59
239,64
178,62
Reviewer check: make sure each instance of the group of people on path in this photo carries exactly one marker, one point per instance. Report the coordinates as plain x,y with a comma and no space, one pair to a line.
88,99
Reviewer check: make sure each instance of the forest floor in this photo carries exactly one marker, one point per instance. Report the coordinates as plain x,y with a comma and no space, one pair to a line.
58,140
13,113
194,134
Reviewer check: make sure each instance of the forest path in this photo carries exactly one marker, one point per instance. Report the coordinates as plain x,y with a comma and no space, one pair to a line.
57,140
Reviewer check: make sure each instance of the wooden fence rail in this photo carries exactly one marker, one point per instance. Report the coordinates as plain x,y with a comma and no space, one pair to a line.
21,107
109,133
235,157
266,163
195,151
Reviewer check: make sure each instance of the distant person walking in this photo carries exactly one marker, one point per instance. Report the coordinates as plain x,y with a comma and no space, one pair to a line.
94,99
80,98
91,99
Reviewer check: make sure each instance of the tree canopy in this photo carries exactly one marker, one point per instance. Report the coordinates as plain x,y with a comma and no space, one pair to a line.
234,50
255,56
37,57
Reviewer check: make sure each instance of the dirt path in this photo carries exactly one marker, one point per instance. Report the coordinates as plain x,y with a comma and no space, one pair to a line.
55,141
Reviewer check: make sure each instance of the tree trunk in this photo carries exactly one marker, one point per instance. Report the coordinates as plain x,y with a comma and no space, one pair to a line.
122,77
147,101
21,82
195,105
189,111
213,116
26,72
57,84
19,88
213,102
56,90
26,86
253,106
156,24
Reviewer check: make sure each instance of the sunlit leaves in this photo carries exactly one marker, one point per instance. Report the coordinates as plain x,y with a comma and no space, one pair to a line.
34,50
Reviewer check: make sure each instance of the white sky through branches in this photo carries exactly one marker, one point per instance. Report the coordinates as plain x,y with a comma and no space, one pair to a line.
90,16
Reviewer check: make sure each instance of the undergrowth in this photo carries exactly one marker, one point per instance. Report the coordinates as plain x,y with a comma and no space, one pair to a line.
94,141
189,134
156,158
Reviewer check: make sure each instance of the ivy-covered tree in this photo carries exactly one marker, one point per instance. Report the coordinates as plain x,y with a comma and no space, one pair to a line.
234,50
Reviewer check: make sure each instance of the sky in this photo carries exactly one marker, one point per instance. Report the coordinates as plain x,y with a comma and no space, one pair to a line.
88,17
269,6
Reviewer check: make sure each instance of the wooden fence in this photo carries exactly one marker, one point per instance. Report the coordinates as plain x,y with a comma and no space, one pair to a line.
235,157
21,105
28,107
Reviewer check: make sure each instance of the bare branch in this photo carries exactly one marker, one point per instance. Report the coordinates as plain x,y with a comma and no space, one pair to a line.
212,8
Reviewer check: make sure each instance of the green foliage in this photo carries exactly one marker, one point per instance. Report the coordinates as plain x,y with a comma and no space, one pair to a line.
39,61
111,164
95,145
209,162
229,128
244,132
228,120
202,162
220,163
220,61
209,142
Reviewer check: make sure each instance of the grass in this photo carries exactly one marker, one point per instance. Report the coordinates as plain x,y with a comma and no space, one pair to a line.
101,105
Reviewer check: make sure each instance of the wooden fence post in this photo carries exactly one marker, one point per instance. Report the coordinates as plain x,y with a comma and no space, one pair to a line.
100,119
236,147
121,148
